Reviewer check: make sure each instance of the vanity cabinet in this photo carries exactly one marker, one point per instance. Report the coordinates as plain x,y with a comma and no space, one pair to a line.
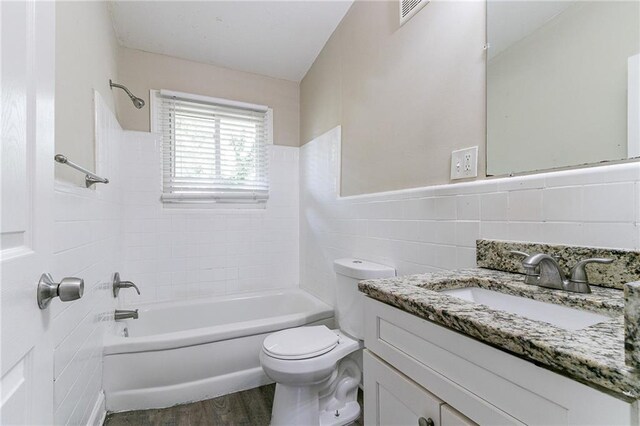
400,401
415,368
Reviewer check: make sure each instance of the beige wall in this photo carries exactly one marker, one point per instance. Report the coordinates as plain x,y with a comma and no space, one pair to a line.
561,92
86,55
141,71
405,96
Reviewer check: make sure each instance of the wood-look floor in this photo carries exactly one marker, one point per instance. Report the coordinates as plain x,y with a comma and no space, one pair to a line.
251,408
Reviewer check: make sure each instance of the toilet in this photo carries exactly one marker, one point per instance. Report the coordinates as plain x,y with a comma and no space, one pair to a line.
316,380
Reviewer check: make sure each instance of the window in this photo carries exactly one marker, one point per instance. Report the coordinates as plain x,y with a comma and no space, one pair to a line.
213,150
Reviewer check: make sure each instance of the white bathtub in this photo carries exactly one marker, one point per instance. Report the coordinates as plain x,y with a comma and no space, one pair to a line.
179,352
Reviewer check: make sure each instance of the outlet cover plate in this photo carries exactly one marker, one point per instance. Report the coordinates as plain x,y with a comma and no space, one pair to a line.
464,163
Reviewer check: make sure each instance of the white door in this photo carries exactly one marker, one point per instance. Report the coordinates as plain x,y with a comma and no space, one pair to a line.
27,43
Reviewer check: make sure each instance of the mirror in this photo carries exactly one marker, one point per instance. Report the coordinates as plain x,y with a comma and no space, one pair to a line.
562,84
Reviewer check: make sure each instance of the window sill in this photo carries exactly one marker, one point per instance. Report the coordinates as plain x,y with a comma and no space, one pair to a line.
214,206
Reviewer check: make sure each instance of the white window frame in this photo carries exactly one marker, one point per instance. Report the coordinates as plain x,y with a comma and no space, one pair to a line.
154,113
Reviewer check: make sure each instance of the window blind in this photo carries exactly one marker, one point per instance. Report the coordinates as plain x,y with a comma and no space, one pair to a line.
213,150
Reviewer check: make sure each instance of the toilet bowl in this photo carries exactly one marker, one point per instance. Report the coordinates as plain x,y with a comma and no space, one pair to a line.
316,382
313,386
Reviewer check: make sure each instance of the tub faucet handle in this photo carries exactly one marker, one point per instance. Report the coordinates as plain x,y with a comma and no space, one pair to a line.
117,285
129,284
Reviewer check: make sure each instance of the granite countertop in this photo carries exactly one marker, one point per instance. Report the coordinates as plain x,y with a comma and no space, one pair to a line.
594,355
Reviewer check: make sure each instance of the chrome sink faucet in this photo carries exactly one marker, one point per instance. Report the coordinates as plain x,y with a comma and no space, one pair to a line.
121,314
545,271
550,273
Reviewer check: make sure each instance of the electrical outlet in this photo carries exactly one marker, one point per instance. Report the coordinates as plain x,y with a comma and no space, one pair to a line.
464,163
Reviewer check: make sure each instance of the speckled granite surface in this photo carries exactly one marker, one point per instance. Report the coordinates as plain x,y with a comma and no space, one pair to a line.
494,254
594,355
632,324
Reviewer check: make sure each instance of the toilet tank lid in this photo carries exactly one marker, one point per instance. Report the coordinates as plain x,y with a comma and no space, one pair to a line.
362,269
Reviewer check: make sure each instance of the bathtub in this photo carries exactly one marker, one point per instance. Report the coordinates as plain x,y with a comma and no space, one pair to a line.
178,352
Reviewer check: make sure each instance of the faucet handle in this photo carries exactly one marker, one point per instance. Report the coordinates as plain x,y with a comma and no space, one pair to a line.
579,272
129,284
118,284
523,254
527,270
519,253
531,273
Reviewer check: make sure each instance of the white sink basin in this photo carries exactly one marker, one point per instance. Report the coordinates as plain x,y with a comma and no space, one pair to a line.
558,315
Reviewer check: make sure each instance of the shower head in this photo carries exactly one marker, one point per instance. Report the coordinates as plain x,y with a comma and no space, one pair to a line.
137,102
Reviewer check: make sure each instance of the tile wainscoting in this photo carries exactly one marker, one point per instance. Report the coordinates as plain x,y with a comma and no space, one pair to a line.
435,228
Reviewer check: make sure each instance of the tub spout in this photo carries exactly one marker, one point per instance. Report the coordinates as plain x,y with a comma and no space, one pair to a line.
122,314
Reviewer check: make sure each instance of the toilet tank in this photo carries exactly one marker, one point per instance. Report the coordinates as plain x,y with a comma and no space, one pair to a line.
349,310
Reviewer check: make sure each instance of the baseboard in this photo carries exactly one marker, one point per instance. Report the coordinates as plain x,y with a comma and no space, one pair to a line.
99,412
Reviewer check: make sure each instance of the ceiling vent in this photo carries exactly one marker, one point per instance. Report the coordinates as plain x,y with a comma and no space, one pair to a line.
408,8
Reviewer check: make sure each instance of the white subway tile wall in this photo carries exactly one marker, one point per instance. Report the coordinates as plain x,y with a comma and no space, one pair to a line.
87,233
176,252
435,228
171,253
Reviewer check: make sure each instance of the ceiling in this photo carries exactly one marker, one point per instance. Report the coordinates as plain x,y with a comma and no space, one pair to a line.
279,39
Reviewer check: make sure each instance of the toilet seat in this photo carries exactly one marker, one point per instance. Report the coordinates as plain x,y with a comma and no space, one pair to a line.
311,370
300,343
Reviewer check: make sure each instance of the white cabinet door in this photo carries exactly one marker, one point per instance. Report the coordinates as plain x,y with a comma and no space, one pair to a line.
451,417
392,399
27,44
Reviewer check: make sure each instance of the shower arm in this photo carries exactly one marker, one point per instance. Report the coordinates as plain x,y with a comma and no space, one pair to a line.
120,86
137,102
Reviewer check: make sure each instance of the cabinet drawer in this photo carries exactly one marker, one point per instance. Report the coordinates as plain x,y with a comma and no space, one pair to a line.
392,399
451,417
